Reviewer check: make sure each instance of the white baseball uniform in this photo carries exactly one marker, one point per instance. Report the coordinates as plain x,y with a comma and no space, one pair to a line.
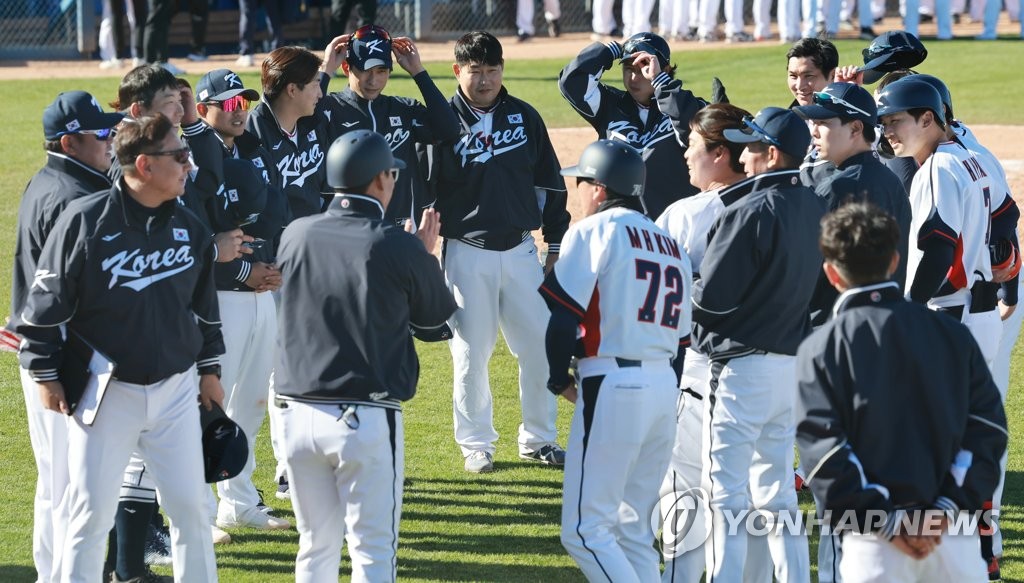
603,21
628,283
868,558
524,14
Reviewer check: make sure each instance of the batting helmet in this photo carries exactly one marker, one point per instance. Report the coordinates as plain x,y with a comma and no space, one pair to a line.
646,42
225,446
615,165
947,99
356,157
892,50
910,93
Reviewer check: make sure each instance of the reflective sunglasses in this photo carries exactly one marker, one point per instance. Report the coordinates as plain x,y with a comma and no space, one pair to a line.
181,155
371,30
232,103
822,98
101,135
760,131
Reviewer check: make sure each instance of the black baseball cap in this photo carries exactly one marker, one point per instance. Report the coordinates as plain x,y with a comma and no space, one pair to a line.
843,100
890,51
646,42
225,445
775,126
369,47
73,112
245,191
221,84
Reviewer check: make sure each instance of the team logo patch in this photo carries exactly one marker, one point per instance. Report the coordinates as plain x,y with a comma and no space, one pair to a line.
233,80
515,118
180,234
257,162
277,146
349,124
311,136
232,196
73,125
396,121
345,203
876,297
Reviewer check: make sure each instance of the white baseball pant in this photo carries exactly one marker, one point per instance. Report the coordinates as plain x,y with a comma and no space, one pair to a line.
249,326
810,10
684,469
830,15
1001,376
495,288
603,21
733,16
987,329
276,440
48,433
161,422
636,16
762,19
789,20
749,434
525,12
674,17
870,559
627,415
346,466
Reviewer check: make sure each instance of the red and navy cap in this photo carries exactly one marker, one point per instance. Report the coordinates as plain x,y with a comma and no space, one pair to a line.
369,47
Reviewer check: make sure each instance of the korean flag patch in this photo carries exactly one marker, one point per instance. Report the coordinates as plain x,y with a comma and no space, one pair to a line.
515,118
232,196
73,125
181,235
311,136
396,121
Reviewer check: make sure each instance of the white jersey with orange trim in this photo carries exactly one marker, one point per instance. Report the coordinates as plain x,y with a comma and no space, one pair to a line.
629,282
689,221
951,197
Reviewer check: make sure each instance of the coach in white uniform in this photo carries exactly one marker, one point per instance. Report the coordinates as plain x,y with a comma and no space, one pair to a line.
623,284
354,286
131,263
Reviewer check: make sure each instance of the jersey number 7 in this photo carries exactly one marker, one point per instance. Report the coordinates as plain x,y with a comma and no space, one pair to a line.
651,272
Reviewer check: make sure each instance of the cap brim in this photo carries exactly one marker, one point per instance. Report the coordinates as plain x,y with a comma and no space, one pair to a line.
104,121
250,94
571,171
872,76
815,112
740,137
399,164
371,63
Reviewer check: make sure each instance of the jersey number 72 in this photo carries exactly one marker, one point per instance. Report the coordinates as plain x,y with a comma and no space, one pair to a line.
651,272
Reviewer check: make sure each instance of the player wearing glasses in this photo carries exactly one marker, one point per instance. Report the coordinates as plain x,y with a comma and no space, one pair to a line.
407,125
131,263
843,118
78,138
762,251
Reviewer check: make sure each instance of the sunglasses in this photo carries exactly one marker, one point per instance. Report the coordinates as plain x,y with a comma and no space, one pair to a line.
101,135
822,98
371,30
760,131
232,104
181,155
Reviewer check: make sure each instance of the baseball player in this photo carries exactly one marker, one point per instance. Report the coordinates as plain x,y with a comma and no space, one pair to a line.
78,138
354,284
406,124
761,251
714,168
524,18
291,123
810,65
495,184
252,200
897,414
843,119
652,115
133,256
619,301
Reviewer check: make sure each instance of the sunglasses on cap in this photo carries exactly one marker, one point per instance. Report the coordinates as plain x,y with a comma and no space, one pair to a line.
371,30
760,131
101,135
181,155
822,98
232,104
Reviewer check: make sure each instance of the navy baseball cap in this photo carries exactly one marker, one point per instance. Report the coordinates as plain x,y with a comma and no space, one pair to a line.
890,51
774,126
73,112
369,47
843,100
646,42
222,84
225,446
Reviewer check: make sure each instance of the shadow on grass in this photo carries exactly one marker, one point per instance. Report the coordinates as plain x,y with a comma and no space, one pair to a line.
17,574
478,544
462,571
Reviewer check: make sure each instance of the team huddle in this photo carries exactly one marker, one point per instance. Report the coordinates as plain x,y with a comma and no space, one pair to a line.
839,277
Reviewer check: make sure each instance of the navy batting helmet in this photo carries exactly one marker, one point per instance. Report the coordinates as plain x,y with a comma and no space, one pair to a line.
356,157
225,446
910,93
646,42
947,99
615,165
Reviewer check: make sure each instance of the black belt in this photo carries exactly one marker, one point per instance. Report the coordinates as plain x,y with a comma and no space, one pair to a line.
497,241
138,380
984,297
627,363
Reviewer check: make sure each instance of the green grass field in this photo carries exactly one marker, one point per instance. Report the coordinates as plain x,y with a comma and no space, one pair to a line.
456,526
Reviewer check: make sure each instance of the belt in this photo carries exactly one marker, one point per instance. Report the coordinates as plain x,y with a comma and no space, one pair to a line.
984,297
497,241
597,366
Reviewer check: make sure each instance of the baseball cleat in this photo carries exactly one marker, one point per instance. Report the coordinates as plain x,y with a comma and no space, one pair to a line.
551,455
147,577
255,519
479,462
244,61
219,536
283,489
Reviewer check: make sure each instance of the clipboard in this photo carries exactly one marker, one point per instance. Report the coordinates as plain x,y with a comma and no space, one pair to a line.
84,373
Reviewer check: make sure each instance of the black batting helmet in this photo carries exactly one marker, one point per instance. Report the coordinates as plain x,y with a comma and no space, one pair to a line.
910,93
615,165
947,99
225,446
646,42
356,157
